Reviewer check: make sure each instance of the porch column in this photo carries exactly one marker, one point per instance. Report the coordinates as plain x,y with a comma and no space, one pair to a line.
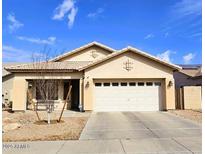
81,95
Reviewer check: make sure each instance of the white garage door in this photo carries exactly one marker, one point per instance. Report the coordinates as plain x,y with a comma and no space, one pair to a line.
127,96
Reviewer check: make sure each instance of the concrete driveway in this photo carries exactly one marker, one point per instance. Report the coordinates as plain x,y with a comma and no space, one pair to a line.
145,131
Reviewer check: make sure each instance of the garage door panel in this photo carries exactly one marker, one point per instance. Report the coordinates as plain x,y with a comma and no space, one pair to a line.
127,98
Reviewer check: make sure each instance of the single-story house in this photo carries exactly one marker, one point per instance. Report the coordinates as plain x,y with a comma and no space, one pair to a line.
103,79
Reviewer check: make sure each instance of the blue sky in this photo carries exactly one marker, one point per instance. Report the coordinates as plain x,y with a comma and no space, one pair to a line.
168,29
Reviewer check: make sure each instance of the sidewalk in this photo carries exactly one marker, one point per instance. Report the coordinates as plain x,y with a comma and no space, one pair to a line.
116,146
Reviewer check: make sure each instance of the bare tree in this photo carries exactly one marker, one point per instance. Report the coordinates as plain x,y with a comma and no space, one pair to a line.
45,83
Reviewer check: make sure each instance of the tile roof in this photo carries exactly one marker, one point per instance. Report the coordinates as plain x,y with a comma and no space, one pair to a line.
5,72
192,72
190,66
199,73
59,66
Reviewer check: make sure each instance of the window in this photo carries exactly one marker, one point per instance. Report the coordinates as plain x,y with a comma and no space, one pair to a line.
140,83
157,83
106,84
46,89
98,84
132,84
115,84
123,84
149,83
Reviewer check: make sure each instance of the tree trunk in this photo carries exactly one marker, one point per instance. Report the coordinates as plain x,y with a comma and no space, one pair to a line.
49,118
66,101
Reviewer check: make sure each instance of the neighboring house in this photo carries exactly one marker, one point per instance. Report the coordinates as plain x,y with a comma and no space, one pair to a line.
103,79
188,82
189,75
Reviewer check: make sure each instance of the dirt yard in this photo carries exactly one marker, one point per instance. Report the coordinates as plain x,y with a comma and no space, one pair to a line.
23,126
189,114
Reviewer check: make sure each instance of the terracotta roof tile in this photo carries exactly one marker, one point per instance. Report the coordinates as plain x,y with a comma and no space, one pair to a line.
67,65
191,72
5,72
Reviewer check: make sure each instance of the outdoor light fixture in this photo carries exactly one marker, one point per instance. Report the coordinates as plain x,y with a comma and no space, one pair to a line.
170,83
87,84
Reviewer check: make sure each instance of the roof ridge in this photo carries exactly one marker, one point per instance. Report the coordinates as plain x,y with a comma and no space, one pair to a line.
16,65
70,52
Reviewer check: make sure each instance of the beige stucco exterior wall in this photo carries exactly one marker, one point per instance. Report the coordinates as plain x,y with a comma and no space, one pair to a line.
142,68
192,97
86,54
169,94
19,94
20,86
7,87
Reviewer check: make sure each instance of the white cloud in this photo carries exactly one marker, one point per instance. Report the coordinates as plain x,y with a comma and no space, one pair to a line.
149,36
165,55
71,17
51,40
182,15
96,13
67,7
166,34
13,23
188,58
195,34
187,7
10,48
13,54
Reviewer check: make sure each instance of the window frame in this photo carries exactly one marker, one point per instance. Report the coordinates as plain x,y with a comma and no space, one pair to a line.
104,84
117,84
149,84
134,84
139,84
123,84
157,84
96,84
54,97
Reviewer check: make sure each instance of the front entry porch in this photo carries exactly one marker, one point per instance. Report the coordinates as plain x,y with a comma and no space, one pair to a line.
75,93
56,91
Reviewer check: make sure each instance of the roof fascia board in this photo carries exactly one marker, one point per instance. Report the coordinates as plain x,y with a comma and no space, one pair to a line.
42,71
176,67
154,58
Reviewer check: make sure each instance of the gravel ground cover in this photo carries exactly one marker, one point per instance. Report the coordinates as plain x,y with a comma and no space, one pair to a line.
188,114
20,126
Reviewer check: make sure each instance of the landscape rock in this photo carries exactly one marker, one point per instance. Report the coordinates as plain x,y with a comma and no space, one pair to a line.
11,126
